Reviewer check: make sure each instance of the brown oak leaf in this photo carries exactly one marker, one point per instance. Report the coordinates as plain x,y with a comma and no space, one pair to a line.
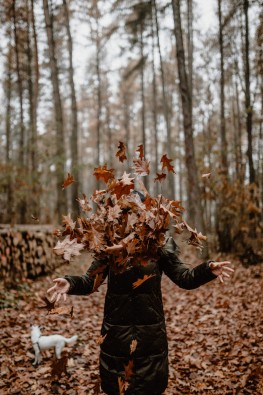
140,281
84,203
48,304
160,177
166,163
68,181
121,153
102,173
68,248
133,346
67,310
101,339
141,166
141,151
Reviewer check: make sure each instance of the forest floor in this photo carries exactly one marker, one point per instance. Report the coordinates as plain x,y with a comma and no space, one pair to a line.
215,336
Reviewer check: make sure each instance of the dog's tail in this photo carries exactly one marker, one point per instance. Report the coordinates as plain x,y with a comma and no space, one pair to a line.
71,339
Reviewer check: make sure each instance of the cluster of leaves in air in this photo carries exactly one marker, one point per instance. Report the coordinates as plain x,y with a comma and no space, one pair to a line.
124,229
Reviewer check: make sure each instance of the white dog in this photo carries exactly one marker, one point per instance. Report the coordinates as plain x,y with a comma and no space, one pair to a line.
45,342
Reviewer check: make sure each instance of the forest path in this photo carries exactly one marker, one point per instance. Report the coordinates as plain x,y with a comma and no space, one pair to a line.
215,336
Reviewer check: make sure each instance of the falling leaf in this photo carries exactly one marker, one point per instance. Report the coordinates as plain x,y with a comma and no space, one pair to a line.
133,346
141,166
160,177
207,175
121,384
179,228
57,232
126,179
67,310
48,304
140,281
166,163
128,370
68,181
84,203
121,153
141,151
101,339
102,173
68,248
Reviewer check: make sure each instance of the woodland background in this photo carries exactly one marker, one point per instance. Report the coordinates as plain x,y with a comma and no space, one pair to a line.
78,77
183,78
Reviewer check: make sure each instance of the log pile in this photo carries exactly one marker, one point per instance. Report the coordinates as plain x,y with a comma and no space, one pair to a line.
26,252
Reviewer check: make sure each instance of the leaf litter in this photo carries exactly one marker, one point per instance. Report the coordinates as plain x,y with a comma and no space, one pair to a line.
215,337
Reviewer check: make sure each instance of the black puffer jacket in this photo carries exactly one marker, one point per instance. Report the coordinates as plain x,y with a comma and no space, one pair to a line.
137,314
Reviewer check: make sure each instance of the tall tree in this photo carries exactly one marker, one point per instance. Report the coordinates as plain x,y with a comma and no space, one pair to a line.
22,204
33,83
222,95
249,110
165,105
59,124
74,115
10,212
193,189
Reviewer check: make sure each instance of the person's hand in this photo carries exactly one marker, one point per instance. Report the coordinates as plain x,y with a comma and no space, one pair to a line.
60,288
221,269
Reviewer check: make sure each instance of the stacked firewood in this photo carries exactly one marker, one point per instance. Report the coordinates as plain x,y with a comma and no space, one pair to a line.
26,252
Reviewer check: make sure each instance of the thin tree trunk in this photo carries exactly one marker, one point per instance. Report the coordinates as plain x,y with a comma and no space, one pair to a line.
60,149
22,205
252,174
146,180
190,48
154,107
239,130
171,180
11,218
32,162
35,93
194,195
74,117
126,115
224,161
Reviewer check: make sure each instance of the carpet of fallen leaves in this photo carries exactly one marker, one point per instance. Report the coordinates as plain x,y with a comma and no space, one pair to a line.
215,336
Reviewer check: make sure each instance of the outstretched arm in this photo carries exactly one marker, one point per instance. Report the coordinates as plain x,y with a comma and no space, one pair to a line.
188,278
79,285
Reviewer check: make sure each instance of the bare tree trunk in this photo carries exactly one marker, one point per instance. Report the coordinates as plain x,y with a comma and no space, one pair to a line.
74,117
190,49
32,159
21,157
154,106
194,195
146,179
171,186
126,116
239,129
60,148
249,110
11,214
224,161
109,131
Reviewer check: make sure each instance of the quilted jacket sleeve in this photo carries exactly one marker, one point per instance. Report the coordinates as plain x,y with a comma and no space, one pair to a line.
181,274
89,282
